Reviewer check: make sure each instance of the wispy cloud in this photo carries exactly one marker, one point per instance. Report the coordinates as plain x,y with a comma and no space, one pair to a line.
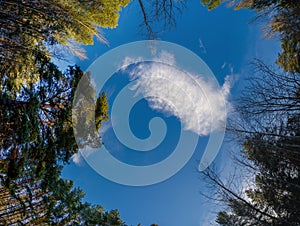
224,65
228,66
129,60
77,159
201,46
196,101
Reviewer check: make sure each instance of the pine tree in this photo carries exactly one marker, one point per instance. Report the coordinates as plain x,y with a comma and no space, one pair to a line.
270,109
29,28
36,129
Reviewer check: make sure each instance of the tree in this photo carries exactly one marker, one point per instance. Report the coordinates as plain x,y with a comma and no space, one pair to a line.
270,91
28,28
283,17
270,150
211,4
59,204
286,23
36,139
226,219
160,14
58,21
37,128
259,5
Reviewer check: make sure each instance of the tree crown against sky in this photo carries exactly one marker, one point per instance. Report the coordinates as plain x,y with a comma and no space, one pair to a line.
59,204
36,127
283,21
36,100
269,110
29,27
37,140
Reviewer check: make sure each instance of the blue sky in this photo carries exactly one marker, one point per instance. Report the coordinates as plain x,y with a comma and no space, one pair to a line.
226,41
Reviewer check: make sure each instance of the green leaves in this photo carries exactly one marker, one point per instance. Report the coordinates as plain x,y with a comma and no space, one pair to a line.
211,4
36,129
101,112
283,17
27,27
38,139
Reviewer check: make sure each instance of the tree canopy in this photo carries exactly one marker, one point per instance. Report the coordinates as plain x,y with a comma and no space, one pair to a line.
283,21
28,28
59,204
36,139
36,102
270,156
36,129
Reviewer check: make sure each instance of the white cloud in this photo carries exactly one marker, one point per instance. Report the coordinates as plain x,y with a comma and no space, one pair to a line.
227,86
197,102
201,46
224,65
104,127
166,58
78,158
129,60
227,66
